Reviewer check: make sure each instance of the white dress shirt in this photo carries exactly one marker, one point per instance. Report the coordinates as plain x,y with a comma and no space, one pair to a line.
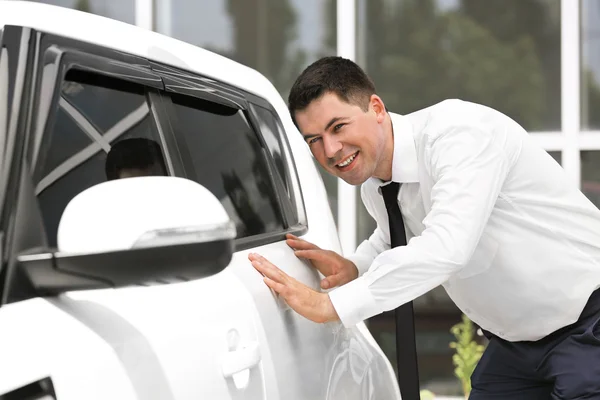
489,215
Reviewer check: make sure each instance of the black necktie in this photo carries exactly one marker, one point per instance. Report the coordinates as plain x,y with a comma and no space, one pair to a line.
406,349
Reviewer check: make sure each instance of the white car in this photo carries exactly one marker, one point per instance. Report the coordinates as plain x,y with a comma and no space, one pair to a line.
136,174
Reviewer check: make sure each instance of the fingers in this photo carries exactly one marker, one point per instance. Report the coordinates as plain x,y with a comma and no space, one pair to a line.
302,299
315,255
277,287
267,268
299,244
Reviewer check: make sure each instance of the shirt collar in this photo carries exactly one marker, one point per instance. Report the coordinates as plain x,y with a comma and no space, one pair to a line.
404,162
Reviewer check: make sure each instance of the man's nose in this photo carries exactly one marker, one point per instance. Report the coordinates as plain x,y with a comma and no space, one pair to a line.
331,145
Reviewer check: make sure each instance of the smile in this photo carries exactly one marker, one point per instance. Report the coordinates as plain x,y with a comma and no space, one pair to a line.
345,163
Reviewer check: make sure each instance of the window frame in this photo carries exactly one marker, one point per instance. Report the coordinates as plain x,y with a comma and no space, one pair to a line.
21,49
104,67
70,58
98,141
293,180
55,56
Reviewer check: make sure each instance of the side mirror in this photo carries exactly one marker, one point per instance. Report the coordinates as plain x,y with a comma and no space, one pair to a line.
135,231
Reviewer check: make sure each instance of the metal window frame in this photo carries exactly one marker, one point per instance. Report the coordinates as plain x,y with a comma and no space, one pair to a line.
144,14
583,140
570,88
346,206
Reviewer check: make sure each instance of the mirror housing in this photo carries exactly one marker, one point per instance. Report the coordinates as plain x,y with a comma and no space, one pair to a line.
135,231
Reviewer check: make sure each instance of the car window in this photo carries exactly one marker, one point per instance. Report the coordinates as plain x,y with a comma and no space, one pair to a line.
229,161
102,129
97,102
271,132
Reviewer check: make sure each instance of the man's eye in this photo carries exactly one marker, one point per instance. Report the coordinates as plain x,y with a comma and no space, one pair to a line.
314,140
338,127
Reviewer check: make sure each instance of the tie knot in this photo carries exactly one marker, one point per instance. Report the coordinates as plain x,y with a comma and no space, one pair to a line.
390,195
390,192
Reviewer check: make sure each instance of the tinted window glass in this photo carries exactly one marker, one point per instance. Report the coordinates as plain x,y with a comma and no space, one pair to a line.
72,140
228,160
102,130
96,102
270,131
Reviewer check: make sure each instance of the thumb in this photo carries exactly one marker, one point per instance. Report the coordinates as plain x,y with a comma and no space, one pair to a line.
331,281
317,255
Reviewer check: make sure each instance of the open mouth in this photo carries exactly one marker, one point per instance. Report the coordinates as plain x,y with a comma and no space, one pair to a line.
347,163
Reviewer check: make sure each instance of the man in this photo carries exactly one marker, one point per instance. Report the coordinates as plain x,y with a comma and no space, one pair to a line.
489,215
134,157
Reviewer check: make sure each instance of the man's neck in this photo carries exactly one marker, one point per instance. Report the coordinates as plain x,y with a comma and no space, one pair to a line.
384,167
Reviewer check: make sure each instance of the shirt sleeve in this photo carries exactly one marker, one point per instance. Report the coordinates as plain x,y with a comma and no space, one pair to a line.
368,250
468,167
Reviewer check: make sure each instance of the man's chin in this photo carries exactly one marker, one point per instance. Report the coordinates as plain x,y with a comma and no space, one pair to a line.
349,177
354,180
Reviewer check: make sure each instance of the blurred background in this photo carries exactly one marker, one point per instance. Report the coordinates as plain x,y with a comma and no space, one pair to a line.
536,60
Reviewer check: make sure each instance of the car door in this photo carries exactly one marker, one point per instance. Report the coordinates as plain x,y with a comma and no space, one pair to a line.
71,102
232,142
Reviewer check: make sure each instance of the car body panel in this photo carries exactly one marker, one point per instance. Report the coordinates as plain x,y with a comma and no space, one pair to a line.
130,343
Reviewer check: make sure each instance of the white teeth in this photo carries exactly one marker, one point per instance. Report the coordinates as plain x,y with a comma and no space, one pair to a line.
348,161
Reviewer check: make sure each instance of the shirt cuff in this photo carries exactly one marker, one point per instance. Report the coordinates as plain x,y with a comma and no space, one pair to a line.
354,302
362,263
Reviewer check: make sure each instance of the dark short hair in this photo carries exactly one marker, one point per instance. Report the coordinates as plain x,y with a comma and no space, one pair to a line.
134,153
331,75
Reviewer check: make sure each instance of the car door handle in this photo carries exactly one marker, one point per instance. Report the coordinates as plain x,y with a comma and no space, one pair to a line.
241,359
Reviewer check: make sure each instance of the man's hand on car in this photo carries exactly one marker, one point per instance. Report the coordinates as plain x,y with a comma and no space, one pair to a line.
337,269
307,302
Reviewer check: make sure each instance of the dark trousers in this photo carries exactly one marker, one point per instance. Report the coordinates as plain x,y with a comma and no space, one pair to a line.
564,365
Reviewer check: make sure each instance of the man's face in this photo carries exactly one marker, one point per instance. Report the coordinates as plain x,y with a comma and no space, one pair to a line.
347,141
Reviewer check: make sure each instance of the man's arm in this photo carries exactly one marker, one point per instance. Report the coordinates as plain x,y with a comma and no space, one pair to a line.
377,243
368,250
469,167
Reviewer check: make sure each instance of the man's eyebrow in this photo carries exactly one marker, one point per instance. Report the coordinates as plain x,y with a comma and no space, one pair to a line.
333,121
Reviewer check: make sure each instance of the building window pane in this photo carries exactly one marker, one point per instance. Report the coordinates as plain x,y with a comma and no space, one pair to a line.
557,155
590,64
501,53
121,10
590,175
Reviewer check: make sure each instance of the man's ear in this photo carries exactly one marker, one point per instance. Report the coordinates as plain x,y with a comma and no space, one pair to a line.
376,104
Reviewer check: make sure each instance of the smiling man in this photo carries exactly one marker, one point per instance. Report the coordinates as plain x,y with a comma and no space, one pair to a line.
487,214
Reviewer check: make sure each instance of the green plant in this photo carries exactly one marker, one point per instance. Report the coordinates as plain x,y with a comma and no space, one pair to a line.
426,395
468,352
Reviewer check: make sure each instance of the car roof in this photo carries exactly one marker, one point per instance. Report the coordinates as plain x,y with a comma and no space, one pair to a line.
137,41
